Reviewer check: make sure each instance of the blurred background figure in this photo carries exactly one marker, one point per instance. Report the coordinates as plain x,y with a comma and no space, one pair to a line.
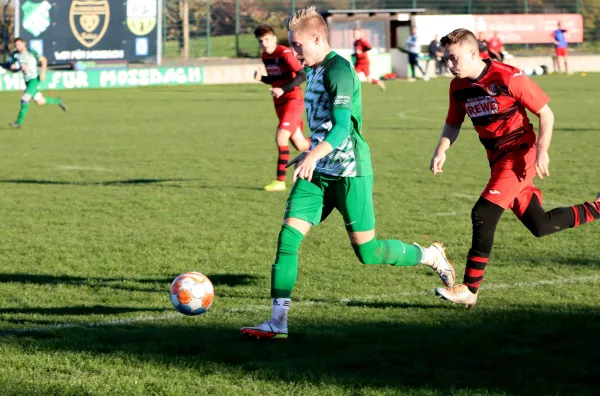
483,46
496,48
413,53
560,47
362,64
435,55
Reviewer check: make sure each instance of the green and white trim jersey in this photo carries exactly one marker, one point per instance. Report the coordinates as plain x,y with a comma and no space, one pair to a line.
29,58
335,87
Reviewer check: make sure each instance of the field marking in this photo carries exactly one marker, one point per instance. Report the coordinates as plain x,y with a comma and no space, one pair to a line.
453,213
80,168
299,304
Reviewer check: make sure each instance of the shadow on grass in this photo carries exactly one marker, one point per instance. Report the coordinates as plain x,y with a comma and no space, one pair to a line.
527,351
153,284
79,310
105,183
129,182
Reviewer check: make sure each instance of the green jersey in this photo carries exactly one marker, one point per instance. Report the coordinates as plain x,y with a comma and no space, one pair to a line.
332,86
29,58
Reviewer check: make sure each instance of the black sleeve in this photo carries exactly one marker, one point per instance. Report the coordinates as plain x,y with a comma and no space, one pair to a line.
269,79
299,79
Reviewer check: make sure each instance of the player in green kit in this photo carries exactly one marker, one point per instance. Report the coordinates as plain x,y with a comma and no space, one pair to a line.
26,61
335,173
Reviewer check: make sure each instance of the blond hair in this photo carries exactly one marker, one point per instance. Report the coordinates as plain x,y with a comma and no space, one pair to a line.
307,19
459,36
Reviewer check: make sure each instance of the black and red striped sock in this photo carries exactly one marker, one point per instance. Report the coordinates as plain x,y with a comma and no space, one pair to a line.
282,160
586,212
474,271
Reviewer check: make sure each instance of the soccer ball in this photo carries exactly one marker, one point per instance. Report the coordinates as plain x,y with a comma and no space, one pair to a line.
192,293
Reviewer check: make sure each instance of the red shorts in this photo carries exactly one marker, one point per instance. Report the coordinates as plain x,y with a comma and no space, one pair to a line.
511,184
561,51
363,68
290,115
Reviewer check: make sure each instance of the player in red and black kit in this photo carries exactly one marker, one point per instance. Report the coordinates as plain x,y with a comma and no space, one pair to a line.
285,73
362,64
496,96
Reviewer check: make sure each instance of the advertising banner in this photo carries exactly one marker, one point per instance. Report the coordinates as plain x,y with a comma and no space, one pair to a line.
68,31
511,28
56,80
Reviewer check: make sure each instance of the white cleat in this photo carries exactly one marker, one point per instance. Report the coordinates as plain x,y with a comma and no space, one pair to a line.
435,257
265,331
459,294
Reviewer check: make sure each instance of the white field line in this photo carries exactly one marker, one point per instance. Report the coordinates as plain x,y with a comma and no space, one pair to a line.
300,304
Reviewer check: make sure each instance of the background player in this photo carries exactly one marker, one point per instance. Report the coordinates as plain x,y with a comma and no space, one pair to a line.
496,48
560,47
495,96
26,61
336,173
285,74
362,63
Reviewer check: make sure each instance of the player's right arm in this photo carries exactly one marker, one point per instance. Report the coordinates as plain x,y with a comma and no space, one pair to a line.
13,63
338,81
450,132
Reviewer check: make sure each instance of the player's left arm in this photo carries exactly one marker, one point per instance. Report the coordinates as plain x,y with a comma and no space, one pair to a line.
44,65
533,98
339,85
366,46
295,65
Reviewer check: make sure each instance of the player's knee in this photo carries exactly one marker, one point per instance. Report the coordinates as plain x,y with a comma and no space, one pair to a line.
485,215
537,227
25,99
365,253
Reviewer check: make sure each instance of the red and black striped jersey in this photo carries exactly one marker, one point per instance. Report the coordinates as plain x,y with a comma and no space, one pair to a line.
496,103
361,46
282,66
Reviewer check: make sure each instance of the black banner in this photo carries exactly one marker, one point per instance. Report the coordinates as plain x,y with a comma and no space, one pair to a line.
67,31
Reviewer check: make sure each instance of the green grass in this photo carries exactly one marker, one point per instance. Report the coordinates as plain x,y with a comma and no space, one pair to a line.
220,46
103,206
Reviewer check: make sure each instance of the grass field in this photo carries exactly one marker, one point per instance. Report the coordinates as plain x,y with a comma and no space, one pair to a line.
103,206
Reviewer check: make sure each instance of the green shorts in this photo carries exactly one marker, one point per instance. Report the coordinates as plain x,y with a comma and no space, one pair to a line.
314,200
32,87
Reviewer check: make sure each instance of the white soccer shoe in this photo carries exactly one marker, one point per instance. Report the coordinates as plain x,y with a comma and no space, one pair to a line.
265,331
459,294
435,257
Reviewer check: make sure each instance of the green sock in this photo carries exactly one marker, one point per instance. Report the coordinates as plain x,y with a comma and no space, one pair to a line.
22,113
388,252
285,270
52,101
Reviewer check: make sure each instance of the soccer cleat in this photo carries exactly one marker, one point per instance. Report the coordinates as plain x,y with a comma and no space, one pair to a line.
264,331
15,125
277,185
459,294
435,257
62,105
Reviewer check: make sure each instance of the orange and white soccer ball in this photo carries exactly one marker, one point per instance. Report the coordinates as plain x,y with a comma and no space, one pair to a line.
192,293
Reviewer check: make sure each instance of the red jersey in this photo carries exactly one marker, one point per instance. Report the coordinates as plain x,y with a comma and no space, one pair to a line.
495,44
281,67
496,103
361,46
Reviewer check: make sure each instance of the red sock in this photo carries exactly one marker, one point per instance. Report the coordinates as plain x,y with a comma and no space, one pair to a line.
282,160
474,272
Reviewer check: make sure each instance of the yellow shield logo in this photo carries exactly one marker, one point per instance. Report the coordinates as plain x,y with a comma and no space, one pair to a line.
89,20
141,16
